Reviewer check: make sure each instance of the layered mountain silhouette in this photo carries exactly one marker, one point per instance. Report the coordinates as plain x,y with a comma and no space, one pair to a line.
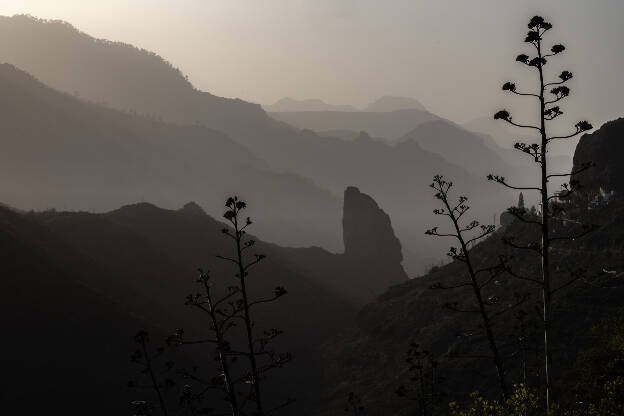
98,278
117,74
398,176
125,77
372,354
387,117
458,146
388,125
136,264
339,198
189,233
499,138
314,104
383,104
480,156
493,131
390,103
60,151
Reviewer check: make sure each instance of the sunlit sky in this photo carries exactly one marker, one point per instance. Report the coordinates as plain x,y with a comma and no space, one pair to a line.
452,55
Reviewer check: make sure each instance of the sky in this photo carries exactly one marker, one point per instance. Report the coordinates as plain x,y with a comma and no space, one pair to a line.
452,55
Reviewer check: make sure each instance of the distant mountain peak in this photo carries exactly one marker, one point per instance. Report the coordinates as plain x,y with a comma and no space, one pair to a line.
116,73
288,104
192,208
389,103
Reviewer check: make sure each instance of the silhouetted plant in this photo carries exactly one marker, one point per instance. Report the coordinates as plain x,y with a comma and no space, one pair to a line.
548,111
467,234
425,380
261,358
240,382
222,311
145,357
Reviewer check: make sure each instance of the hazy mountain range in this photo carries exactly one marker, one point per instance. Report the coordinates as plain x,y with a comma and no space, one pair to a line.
383,104
313,104
389,125
104,145
125,77
230,145
68,153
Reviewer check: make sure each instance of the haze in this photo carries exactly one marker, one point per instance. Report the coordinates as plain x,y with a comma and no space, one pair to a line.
311,207
450,55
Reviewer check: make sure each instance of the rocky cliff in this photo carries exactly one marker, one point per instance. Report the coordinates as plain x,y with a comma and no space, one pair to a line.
370,243
371,262
605,148
367,230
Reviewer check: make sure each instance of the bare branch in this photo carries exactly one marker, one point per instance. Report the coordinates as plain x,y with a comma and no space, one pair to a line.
434,231
501,180
584,167
278,293
511,87
532,150
524,126
565,77
581,127
487,230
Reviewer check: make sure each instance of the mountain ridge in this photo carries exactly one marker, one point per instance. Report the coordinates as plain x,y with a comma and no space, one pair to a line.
329,164
311,104
124,157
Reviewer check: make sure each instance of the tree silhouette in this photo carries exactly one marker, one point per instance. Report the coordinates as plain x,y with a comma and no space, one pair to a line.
240,382
548,110
221,311
256,346
466,235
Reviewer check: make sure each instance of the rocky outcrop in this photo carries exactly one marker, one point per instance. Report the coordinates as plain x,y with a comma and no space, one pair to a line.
371,262
367,229
370,243
605,148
